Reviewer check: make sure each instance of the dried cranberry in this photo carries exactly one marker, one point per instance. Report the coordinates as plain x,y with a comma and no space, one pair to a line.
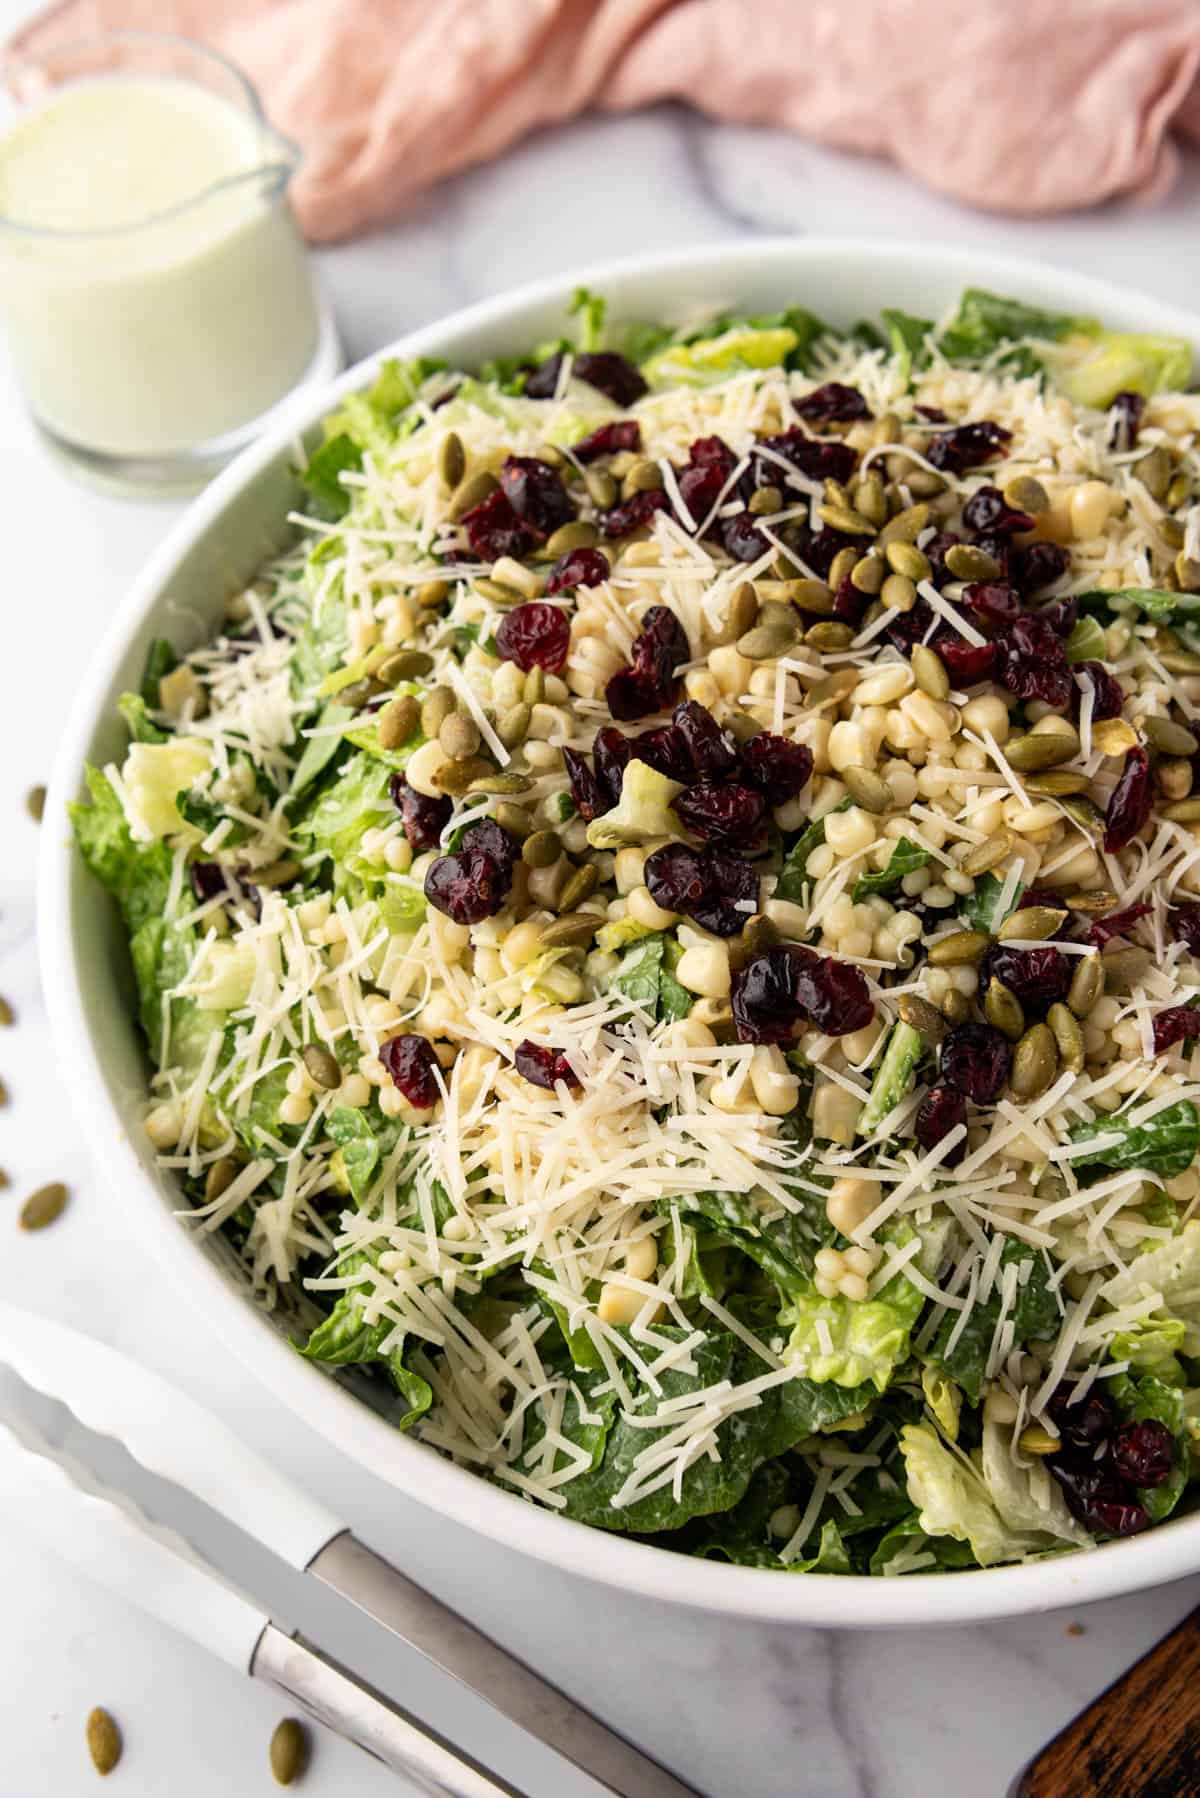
999,547
607,440
1184,921
820,547
1085,1424
713,452
764,1001
1039,978
665,749
832,401
779,768
700,486
966,446
1117,923
610,374
941,1110
1038,565
1033,663
1144,1452
1097,1499
467,888
412,1064
612,752
820,458
1108,695
424,818
208,879
848,603
585,790
1130,802
711,751
535,635
933,415
732,896
1175,1025
1061,614
994,604
677,877
1125,420
536,493
494,530
632,513
543,1067
976,1059
988,510
649,684
742,538
910,627
578,568
966,663
542,382
833,995
723,814
936,550
489,838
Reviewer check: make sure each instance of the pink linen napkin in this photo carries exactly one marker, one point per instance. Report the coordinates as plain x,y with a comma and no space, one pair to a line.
1013,105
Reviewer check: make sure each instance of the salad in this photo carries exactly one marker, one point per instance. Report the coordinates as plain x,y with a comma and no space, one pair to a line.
667,927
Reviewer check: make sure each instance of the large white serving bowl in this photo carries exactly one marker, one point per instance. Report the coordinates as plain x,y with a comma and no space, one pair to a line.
211,552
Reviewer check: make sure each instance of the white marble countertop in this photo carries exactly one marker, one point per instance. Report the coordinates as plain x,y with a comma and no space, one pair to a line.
735,1707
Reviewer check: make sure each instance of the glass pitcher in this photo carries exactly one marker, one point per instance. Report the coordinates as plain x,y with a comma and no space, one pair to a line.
158,298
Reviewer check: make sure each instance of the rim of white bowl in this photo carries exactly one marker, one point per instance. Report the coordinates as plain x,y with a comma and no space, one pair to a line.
1170,1551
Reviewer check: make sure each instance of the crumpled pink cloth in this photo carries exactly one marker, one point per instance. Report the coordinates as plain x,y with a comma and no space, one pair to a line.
1014,105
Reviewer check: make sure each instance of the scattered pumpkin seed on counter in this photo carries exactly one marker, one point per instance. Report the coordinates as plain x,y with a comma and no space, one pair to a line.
679,901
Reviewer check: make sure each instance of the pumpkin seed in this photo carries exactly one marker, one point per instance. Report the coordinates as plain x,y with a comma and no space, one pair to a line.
471,493
435,709
811,596
579,886
1123,967
35,803
6,1013
1093,904
1025,494
1035,1062
967,562
1087,984
542,849
507,781
920,1015
408,664
833,688
898,593
867,574
1031,754
742,726
432,594
845,519
1178,661
1171,738
601,488
534,690
885,429
1171,532
765,502
843,566
956,1007
1035,1439
397,721
829,633
1003,1010
922,483
1033,923
43,1206
289,1751
571,930
760,933
959,949
459,778
907,559
451,460
643,477
550,454
5,1182
512,727
499,594
1056,783
322,1066
514,819
1182,811
868,789
1069,1037
103,1740
1154,471
929,671
766,641
220,1177
906,526
1179,490
1078,806
360,692
870,500
988,854
459,736
276,874
1187,572
575,534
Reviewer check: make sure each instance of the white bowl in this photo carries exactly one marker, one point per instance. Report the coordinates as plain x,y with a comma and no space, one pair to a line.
209,553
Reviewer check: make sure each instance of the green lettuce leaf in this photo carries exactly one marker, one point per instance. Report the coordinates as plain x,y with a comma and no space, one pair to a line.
1143,1397
320,750
140,725
893,1077
1172,1269
1166,1144
869,1338
986,321
793,876
322,473
907,338
953,1498
905,858
1035,1315
345,1339
160,659
646,976
981,908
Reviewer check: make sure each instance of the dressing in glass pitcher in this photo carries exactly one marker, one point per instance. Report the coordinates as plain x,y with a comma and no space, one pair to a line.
158,297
